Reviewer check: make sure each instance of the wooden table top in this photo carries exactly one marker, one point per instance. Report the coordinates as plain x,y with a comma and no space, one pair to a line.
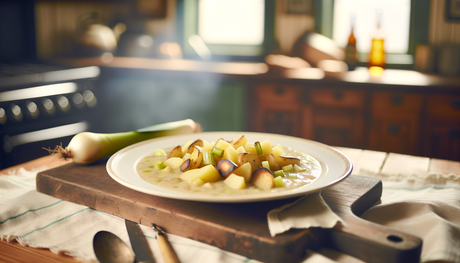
363,161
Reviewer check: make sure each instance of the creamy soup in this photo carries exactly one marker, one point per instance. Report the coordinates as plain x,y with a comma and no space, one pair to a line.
171,180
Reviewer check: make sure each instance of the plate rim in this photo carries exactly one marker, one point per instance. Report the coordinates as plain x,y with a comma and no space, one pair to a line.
205,198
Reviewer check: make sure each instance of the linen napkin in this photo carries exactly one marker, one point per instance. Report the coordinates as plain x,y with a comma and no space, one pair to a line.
308,211
427,206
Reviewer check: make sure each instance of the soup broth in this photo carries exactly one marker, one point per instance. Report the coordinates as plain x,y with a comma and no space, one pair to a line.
311,170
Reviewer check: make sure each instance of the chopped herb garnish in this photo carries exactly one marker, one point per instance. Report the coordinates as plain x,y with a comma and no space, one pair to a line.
160,152
258,148
219,152
159,165
279,173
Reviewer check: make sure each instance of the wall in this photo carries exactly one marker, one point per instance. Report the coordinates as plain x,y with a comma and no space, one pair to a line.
441,31
289,27
56,23
131,100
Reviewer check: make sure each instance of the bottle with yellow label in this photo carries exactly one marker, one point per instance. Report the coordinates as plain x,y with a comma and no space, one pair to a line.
377,60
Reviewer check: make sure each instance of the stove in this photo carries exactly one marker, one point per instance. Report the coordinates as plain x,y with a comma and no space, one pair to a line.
41,106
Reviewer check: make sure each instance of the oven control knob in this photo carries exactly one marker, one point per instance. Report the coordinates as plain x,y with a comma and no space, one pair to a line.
78,101
89,97
33,109
63,103
3,117
49,106
17,112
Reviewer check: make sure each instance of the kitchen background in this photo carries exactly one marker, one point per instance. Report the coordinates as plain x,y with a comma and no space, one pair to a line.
43,39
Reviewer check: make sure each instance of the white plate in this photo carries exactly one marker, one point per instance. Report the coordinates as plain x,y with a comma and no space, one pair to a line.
122,165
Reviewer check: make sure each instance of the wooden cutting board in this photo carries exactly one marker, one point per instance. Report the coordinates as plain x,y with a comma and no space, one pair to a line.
240,228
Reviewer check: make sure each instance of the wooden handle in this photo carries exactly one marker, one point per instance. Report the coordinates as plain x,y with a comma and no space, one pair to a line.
169,256
371,242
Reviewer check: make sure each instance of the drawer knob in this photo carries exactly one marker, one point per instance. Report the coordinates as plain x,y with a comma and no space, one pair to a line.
279,90
455,103
396,100
279,116
338,95
393,129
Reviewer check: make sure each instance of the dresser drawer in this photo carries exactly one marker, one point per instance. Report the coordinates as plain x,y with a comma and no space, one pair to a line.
338,98
278,93
396,102
443,105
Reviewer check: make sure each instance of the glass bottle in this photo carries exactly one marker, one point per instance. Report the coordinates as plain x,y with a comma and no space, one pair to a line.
377,54
351,54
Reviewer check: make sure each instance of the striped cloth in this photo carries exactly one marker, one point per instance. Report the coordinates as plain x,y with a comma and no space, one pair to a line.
424,206
38,220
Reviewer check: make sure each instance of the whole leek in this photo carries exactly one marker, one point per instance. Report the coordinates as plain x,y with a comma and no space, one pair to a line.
87,147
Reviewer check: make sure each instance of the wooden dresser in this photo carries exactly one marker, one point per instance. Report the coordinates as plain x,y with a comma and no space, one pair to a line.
401,111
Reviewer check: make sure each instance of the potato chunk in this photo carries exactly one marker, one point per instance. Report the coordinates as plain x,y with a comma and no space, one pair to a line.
225,167
274,165
263,179
245,171
186,165
196,157
287,160
176,152
230,153
191,148
174,162
207,173
222,144
237,143
251,158
266,147
235,181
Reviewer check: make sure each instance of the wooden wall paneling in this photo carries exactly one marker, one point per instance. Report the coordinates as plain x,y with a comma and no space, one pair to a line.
441,31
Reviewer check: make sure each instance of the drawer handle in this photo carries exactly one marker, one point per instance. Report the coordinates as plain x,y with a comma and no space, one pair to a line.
396,100
338,95
279,116
279,90
454,133
393,129
455,103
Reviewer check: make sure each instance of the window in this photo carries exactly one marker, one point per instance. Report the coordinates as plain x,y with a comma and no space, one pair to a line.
404,22
394,21
226,29
236,22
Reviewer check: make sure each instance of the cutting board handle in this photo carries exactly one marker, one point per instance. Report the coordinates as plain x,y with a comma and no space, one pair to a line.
371,242
363,239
